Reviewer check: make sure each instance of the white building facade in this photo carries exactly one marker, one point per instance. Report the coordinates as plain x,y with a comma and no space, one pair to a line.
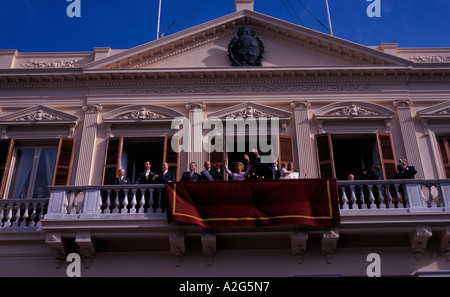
70,120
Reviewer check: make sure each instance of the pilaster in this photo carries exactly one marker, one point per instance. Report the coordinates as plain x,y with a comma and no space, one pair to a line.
196,144
303,139
87,146
409,136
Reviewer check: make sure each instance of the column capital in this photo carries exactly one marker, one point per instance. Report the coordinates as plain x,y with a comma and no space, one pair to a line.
402,103
300,104
92,108
193,106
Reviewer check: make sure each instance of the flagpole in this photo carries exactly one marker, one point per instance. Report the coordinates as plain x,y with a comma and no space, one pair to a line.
329,18
159,19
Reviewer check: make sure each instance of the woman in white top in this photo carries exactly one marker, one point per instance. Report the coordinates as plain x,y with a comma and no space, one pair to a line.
290,172
238,175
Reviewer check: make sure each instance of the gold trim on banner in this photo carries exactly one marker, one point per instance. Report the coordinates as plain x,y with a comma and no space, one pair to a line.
254,218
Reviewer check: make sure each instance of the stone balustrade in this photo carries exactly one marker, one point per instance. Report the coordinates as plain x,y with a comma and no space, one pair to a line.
22,212
95,202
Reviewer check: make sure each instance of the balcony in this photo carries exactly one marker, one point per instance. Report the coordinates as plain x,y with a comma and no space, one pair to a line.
418,209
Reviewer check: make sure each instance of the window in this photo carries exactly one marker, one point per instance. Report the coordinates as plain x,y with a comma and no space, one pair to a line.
444,149
27,169
33,169
130,154
342,154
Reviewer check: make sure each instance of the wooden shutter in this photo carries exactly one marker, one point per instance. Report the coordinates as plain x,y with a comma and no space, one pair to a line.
444,149
387,154
325,155
171,157
114,147
64,159
286,149
6,153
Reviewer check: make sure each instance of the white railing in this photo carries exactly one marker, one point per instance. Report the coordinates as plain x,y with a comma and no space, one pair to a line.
413,195
96,201
22,212
91,202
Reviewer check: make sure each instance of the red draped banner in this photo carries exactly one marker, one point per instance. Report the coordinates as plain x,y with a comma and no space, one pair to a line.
312,202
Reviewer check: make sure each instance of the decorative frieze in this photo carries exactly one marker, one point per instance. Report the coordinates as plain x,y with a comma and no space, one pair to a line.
274,88
354,110
39,115
142,114
250,112
51,64
430,59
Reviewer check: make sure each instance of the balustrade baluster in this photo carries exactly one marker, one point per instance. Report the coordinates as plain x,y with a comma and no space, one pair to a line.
2,214
116,206
41,213
141,202
9,214
133,202
158,200
150,200
362,199
344,198
380,196
371,197
24,222
353,198
74,205
398,196
430,195
389,196
108,202
33,215
124,208
440,196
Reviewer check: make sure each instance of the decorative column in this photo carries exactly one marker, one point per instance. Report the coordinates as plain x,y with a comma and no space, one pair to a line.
303,139
409,136
196,139
87,146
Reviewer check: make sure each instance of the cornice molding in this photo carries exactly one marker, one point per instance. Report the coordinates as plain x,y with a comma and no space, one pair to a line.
229,77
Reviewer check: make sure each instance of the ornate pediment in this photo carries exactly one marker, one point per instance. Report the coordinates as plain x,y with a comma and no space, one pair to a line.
350,110
208,45
251,110
141,113
435,118
440,111
39,115
33,119
349,113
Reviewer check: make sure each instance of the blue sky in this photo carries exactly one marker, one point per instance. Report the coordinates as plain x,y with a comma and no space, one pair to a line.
44,26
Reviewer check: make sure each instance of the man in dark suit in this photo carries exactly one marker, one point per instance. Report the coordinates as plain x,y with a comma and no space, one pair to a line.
209,173
270,170
147,176
191,175
163,177
121,179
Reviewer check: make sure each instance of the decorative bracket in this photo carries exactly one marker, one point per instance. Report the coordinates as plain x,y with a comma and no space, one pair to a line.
209,246
329,244
54,241
177,246
87,248
298,245
418,241
445,243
